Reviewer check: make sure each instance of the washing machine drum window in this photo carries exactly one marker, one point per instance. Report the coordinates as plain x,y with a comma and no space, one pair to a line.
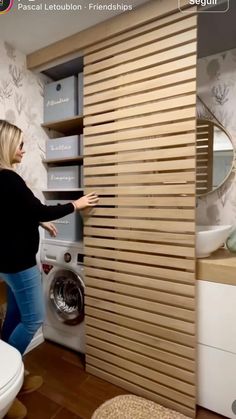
67,296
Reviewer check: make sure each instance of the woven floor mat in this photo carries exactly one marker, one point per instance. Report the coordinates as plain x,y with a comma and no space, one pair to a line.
134,407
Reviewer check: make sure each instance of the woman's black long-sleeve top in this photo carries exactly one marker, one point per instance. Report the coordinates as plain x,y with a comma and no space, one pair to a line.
20,214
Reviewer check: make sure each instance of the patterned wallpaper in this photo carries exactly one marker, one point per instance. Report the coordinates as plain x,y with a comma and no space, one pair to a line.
217,89
21,102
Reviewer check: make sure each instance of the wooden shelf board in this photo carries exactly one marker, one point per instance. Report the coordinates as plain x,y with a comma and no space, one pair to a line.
65,160
72,125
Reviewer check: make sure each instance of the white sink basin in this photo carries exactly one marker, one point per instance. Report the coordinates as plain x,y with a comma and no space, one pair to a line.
210,238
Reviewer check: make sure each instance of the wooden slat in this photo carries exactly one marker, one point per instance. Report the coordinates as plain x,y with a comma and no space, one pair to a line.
173,312
140,121
170,165
146,178
145,108
204,146
154,31
117,368
154,45
157,213
123,337
140,281
124,84
156,225
172,189
133,99
112,343
139,390
182,201
159,319
138,235
163,154
139,132
143,258
168,340
131,290
147,367
142,247
181,276
140,157
139,30
161,57
114,98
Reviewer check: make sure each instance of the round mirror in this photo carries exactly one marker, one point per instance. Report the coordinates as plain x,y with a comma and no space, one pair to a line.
215,156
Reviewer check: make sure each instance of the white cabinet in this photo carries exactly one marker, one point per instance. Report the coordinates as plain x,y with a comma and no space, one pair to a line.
217,347
217,315
217,380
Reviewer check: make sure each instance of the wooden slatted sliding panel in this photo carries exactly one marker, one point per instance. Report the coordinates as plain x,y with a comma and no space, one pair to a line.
205,134
139,155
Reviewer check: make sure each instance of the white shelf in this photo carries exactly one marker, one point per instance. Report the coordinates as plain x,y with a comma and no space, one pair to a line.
63,190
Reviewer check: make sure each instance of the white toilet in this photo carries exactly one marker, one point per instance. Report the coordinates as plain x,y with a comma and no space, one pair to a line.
11,376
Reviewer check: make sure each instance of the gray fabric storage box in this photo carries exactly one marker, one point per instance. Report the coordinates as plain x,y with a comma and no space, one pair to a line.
61,99
63,177
60,148
80,93
70,227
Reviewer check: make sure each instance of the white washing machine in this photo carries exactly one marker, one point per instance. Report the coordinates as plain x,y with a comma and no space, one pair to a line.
63,285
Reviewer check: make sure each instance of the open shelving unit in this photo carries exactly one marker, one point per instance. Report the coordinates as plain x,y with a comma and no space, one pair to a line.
68,126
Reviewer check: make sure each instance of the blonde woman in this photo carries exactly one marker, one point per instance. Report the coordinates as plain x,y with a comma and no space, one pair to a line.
20,215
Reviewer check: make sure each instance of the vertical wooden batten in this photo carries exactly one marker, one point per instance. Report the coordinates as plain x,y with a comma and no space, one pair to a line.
204,158
139,155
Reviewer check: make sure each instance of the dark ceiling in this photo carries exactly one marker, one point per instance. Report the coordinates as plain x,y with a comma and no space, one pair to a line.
217,30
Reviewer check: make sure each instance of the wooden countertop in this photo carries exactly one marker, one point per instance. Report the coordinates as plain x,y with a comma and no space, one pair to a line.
2,292
219,267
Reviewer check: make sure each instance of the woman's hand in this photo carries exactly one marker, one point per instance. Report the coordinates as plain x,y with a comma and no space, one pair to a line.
89,200
50,227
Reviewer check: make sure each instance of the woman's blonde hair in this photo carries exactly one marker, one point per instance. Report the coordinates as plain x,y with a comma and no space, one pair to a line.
10,138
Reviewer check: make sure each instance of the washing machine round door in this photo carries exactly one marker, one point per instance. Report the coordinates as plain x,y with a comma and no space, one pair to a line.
67,296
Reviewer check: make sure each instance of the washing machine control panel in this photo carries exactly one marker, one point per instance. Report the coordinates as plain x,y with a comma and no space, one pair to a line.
67,257
80,258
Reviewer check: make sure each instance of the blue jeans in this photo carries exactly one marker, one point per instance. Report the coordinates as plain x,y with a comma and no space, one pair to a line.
25,307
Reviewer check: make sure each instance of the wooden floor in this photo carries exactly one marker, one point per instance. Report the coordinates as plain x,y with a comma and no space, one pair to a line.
68,391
